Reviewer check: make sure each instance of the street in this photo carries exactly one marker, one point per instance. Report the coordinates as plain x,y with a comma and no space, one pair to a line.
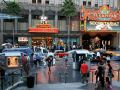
64,78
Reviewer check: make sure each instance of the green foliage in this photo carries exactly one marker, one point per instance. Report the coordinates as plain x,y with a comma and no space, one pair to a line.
13,8
68,9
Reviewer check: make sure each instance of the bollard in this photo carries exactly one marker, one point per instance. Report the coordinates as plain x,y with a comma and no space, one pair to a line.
92,76
36,78
65,77
118,74
60,77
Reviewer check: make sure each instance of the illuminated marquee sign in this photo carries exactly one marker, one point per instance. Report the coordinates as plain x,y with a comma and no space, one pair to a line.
102,19
105,23
102,14
94,25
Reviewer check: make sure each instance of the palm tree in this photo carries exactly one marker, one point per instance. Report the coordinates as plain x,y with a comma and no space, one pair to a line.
68,9
13,8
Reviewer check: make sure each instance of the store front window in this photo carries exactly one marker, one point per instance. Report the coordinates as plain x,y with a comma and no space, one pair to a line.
42,41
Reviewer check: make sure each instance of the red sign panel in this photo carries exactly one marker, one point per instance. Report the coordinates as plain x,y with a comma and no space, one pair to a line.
43,30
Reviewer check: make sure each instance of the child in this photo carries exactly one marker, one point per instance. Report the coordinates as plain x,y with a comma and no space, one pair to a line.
108,85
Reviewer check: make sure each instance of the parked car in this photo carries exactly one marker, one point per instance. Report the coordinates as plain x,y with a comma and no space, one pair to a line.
44,51
60,54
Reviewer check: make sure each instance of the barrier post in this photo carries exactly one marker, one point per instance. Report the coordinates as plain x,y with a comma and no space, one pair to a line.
92,76
118,74
60,77
36,78
65,77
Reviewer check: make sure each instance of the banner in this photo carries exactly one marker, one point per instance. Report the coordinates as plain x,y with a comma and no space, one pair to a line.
103,26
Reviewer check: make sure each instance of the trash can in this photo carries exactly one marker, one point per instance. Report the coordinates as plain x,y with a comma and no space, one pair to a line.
30,81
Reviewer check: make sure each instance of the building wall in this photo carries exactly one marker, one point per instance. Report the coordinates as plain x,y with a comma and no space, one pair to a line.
61,22
118,4
112,3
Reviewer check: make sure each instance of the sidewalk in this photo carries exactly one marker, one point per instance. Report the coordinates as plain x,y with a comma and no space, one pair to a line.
67,86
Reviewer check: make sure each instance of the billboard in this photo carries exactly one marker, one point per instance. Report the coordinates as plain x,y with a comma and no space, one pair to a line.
102,26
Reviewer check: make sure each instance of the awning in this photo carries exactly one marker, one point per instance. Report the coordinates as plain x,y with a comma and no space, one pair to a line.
8,16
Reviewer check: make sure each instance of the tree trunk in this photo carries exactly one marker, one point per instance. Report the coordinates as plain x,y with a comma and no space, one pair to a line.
68,41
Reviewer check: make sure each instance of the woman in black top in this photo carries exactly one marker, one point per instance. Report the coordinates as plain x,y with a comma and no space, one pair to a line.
110,73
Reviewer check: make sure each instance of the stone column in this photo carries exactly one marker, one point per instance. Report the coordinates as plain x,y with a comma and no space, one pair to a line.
16,24
80,39
1,34
56,19
115,40
29,41
119,41
30,18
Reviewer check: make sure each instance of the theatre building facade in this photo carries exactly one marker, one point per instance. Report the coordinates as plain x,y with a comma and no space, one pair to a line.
95,28
100,28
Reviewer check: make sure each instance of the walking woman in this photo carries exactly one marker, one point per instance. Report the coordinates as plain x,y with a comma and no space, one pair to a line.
110,72
49,61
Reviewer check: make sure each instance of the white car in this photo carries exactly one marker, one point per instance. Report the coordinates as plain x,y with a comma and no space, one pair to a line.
87,53
44,51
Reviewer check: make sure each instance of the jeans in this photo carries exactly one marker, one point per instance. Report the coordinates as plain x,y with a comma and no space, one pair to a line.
84,78
110,77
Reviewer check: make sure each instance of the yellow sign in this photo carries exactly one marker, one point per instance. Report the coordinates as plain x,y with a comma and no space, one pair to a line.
12,62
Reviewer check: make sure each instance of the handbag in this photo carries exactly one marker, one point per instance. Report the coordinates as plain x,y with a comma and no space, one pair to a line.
88,74
112,75
96,72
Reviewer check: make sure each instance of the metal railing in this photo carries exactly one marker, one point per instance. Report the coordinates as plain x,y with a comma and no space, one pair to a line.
9,79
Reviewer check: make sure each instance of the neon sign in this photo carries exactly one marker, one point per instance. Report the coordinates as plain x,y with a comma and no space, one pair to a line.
105,23
104,13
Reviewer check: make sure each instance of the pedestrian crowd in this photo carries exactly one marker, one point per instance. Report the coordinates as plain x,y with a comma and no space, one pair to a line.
104,74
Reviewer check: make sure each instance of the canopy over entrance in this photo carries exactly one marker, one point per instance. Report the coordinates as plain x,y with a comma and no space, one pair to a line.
8,16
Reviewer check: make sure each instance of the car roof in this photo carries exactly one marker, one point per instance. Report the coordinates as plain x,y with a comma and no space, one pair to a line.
58,50
17,49
13,53
80,51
